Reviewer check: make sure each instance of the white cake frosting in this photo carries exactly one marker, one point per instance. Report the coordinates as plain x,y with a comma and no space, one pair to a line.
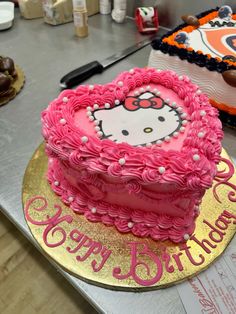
210,82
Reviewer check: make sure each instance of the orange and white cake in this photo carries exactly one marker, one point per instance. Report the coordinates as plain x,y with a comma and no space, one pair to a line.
204,48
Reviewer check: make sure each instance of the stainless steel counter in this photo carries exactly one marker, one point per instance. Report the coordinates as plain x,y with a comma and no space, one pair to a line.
46,53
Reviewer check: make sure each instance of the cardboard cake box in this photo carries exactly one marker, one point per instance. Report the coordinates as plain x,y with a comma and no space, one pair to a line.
31,9
92,7
61,11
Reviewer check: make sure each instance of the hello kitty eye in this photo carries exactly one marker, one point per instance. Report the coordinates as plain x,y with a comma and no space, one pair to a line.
162,119
125,132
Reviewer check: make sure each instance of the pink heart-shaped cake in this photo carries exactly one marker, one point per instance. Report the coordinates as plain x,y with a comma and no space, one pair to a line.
137,153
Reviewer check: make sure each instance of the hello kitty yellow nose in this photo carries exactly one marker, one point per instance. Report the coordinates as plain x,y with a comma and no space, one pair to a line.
147,130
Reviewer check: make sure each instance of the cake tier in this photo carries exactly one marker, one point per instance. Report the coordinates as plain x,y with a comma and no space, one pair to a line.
128,207
137,153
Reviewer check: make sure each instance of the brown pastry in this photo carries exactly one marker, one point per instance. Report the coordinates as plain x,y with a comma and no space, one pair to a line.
5,82
14,75
190,20
8,75
7,64
230,77
11,79
10,93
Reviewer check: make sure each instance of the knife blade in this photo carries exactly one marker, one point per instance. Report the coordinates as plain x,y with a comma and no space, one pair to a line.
84,72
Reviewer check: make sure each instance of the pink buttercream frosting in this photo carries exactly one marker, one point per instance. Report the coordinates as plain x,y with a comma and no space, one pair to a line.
92,170
143,224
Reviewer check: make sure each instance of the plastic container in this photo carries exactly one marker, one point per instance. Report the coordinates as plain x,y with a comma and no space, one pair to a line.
6,14
119,12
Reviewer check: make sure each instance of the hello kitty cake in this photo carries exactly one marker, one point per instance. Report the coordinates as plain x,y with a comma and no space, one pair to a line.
137,153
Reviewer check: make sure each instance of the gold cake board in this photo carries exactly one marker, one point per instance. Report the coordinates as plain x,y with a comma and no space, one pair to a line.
101,255
17,86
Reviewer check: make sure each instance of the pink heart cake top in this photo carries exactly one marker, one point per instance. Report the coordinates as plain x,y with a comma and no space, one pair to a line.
148,125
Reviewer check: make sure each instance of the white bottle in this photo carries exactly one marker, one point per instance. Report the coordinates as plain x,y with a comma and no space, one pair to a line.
105,6
120,4
119,11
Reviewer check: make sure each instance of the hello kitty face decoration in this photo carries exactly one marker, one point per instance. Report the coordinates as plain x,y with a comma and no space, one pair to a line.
143,120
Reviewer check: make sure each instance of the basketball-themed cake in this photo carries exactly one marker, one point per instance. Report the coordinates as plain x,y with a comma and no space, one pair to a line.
137,153
204,48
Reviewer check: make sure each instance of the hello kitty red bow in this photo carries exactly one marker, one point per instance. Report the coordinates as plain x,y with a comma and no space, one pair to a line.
135,103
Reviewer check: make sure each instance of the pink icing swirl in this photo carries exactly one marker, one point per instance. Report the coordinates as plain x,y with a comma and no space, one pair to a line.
133,187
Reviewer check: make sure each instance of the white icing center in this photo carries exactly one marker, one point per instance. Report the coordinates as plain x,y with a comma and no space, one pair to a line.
139,125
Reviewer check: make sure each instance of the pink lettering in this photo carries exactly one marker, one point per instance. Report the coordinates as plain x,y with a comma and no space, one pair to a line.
51,222
223,178
221,220
203,244
229,215
143,260
178,261
214,232
166,259
93,248
105,254
52,227
76,236
143,252
184,247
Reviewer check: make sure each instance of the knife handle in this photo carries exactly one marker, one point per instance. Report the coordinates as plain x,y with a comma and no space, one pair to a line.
81,74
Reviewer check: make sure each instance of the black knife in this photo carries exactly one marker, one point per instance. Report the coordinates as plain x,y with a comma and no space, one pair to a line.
84,72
